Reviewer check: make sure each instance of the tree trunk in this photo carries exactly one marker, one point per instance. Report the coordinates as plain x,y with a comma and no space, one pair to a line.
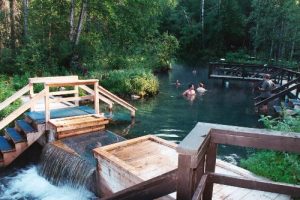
12,27
293,46
25,13
72,11
81,20
202,21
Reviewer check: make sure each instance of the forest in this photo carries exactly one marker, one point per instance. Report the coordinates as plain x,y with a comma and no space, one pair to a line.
43,36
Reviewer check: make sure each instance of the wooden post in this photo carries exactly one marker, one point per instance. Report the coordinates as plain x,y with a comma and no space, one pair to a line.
31,94
184,177
47,106
210,167
76,88
96,98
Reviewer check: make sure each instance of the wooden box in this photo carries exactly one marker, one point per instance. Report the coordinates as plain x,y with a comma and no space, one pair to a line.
127,163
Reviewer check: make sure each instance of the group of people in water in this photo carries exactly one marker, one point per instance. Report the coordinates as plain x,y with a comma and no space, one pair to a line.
191,90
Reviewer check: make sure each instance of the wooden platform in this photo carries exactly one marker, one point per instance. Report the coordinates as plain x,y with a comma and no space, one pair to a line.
127,163
39,116
70,126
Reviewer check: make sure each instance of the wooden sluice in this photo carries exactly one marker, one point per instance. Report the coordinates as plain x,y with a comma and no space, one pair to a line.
54,111
130,170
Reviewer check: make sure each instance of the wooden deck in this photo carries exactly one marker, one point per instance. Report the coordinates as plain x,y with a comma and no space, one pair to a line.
121,165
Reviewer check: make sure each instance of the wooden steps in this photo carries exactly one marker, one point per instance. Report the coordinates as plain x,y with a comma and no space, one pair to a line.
70,126
16,140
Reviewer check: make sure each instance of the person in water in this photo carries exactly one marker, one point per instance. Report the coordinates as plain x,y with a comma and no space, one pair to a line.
201,88
190,91
177,83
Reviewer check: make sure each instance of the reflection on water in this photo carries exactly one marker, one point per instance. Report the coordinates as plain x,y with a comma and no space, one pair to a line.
167,115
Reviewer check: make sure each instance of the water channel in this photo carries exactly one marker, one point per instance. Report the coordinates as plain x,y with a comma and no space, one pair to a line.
168,115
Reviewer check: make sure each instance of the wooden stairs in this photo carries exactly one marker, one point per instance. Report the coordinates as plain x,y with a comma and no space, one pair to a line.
16,140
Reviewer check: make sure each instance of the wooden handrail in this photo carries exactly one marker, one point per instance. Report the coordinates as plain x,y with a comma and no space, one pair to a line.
116,98
14,97
286,85
102,98
72,83
283,92
52,79
197,160
21,110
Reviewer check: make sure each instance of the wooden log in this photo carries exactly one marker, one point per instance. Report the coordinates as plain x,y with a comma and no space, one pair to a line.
282,188
148,190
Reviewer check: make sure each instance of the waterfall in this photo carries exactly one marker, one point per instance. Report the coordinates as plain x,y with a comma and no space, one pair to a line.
61,167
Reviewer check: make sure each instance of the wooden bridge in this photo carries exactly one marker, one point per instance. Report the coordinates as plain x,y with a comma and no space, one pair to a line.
288,81
54,111
196,178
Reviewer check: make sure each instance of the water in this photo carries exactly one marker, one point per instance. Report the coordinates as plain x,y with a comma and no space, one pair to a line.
168,115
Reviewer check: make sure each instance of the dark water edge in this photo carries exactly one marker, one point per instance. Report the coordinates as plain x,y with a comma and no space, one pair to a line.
167,115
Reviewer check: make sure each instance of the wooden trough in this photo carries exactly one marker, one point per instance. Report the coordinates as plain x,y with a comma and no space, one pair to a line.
124,164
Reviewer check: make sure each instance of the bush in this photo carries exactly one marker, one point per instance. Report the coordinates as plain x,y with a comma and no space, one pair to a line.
6,90
277,166
131,81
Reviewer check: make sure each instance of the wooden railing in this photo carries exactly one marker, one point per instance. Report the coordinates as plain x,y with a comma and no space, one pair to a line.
197,159
77,98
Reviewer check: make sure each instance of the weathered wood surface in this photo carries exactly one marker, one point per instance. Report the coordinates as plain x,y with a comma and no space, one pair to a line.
148,190
53,79
128,163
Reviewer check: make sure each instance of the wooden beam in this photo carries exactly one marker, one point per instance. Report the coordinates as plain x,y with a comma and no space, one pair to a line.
101,97
21,110
261,141
53,79
14,97
66,99
281,188
62,92
200,188
210,166
96,98
72,83
148,190
185,178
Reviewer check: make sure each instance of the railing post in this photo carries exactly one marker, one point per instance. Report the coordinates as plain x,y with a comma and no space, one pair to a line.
47,106
96,98
31,94
210,166
76,88
184,178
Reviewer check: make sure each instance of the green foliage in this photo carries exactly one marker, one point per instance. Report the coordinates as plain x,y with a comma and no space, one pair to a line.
278,166
6,90
132,81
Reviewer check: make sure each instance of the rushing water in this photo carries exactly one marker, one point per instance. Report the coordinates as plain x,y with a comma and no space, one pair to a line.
168,115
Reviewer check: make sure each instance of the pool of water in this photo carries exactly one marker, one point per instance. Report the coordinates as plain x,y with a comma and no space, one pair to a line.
168,115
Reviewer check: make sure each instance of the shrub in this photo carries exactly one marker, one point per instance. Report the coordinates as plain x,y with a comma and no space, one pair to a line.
277,166
131,81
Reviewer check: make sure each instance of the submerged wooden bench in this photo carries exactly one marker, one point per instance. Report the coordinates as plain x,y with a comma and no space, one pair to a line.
70,126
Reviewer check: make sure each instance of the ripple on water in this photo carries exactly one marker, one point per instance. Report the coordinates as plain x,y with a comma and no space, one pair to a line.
28,184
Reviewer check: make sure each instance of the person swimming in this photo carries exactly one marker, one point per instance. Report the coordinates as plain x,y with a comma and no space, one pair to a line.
201,88
190,91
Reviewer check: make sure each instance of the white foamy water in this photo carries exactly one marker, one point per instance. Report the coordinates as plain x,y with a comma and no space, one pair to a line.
166,135
28,184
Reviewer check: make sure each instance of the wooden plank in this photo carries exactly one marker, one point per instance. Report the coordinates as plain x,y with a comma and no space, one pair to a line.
82,125
21,110
64,134
200,188
201,153
148,190
289,189
65,92
76,88
60,122
52,79
96,98
14,97
72,83
66,99
278,143
47,105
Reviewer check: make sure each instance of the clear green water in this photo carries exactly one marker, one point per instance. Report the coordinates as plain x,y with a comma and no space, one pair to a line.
168,115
